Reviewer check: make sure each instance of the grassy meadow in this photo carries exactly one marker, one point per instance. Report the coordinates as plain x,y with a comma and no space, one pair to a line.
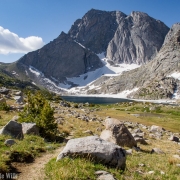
139,165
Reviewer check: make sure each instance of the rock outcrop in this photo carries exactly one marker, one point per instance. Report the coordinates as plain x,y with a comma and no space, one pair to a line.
96,29
137,39
126,39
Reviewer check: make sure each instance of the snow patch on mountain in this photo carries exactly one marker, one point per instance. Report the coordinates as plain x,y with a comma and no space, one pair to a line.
175,75
106,70
35,71
84,82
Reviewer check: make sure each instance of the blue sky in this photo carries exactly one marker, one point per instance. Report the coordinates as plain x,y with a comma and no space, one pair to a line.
27,25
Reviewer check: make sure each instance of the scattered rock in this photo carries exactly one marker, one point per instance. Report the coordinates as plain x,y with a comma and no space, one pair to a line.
157,151
151,172
96,148
9,142
64,104
103,175
155,129
30,128
18,93
19,99
139,138
162,172
136,148
174,138
13,129
117,133
137,131
142,165
3,90
129,152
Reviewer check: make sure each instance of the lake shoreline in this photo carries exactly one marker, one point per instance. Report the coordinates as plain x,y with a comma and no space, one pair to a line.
115,96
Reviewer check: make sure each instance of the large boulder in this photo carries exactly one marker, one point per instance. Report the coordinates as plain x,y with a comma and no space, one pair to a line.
94,147
12,128
30,128
117,133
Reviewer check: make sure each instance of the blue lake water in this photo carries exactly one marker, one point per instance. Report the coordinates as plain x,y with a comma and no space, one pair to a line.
94,100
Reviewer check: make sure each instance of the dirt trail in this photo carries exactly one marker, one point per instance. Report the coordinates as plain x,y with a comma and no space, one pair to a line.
35,170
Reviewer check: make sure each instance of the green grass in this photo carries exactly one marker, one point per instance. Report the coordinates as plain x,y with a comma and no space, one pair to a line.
82,169
165,116
163,165
76,169
23,151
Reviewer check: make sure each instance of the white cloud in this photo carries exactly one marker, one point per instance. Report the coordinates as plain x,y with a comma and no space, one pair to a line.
12,43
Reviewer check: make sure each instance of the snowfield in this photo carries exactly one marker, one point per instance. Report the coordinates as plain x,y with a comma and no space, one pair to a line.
107,70
85,80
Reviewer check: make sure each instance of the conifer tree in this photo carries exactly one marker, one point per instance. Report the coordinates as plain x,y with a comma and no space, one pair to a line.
39,111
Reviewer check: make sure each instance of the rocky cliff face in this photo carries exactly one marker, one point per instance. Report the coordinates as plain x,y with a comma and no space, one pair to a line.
137,39
153,79
62,58
96,29
126,39
175,28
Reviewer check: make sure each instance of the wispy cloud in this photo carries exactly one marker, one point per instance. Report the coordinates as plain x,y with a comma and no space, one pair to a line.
12,43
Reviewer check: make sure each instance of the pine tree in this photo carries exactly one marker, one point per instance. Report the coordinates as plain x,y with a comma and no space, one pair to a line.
39,111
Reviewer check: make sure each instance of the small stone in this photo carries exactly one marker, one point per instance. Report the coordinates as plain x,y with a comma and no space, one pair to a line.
9,142
139,172
162,172
103,175
136,148
151,172
157,151
174,138
142,165
129,152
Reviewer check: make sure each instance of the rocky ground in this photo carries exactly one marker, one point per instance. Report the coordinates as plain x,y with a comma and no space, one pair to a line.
142,142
